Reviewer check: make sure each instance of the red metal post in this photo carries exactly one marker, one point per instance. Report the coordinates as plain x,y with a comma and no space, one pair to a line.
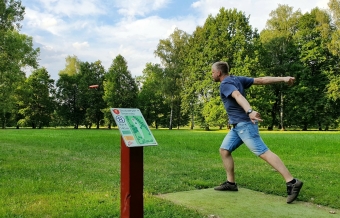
131,189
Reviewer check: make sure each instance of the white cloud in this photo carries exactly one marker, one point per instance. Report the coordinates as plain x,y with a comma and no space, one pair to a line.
139,7
46,47
135,40
49,22
78,45
73,8
149,29
44,21
322,4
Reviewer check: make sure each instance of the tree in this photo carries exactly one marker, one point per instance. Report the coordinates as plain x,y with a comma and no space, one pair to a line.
16,53
151,100
37,103
72,66
92,99
195,71
225,37
68,94
334,9
312,40
120,89
11,13
68,100
278,57
219,117
172,53
333,88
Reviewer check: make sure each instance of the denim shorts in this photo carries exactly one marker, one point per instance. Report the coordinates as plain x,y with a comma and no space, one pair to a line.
247,133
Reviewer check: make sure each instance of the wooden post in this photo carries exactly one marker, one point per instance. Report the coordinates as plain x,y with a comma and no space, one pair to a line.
131,183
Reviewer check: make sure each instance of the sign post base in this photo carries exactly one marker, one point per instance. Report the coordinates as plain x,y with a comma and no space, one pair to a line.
131,195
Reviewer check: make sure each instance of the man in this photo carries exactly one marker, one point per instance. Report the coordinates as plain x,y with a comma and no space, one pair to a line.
244,121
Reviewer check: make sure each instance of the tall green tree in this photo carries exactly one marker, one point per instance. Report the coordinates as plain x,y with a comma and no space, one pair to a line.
226,37
151,99
312,39
92,98
195,71
16,53
68,101
120,89
37,103
68,94
278,57
172,52
333,88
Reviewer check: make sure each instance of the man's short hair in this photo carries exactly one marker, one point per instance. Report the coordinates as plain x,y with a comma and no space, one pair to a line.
222,66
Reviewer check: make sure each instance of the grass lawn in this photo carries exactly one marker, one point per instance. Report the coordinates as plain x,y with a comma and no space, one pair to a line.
76,173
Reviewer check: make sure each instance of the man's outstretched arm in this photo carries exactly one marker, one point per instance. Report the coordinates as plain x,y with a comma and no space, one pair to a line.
270,80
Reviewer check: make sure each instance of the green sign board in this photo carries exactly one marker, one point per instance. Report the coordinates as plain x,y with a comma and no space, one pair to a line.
133,127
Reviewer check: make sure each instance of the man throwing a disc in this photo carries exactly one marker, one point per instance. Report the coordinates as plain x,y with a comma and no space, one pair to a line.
245,127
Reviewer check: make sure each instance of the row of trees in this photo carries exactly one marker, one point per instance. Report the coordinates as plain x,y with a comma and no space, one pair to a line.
180,91
292,44
71,100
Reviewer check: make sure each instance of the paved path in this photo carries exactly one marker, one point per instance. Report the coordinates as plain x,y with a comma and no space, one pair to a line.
247,203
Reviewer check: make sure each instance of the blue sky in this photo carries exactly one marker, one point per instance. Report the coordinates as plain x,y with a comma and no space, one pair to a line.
102,29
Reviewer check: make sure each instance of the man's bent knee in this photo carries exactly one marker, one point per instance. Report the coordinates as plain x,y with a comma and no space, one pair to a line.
266,154
224,152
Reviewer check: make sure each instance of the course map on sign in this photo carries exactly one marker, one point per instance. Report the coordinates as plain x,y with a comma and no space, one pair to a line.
133,127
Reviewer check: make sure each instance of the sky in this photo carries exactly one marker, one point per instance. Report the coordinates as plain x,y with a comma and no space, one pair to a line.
102,29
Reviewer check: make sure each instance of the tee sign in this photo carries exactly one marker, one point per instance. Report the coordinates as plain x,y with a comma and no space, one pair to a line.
133,127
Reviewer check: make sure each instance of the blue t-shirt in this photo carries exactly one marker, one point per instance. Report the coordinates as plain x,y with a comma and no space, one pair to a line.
230,84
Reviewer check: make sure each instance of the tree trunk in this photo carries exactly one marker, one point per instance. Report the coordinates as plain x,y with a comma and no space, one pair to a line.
271,127
170,124
281,112
192,121
3,123
178,115
304,127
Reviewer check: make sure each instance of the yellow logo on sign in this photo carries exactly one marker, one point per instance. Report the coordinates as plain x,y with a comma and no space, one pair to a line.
129,137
